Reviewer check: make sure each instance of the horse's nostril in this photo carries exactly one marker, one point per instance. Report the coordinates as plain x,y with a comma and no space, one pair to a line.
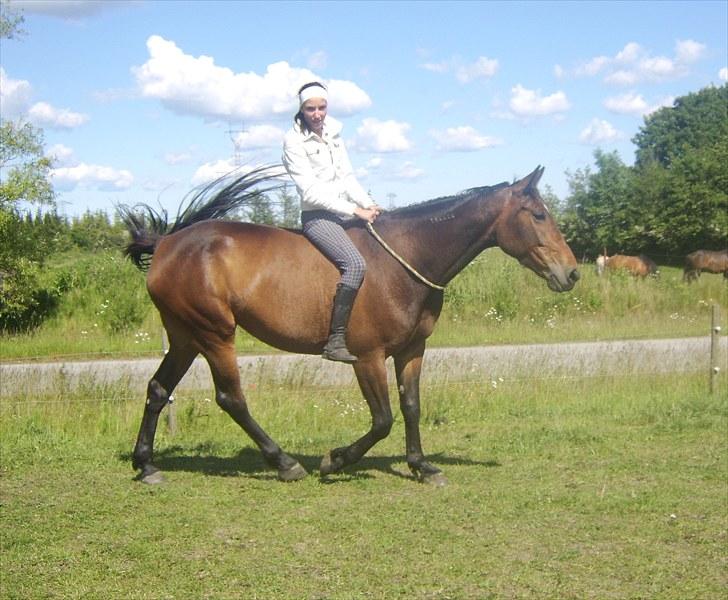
574,275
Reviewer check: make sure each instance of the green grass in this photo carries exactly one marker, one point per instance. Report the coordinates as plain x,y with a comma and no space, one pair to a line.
106,312
559,488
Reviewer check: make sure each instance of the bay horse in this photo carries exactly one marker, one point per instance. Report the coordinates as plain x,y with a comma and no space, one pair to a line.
209,276
639,266
711,261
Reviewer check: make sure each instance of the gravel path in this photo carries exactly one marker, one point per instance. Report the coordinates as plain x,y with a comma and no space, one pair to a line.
683,355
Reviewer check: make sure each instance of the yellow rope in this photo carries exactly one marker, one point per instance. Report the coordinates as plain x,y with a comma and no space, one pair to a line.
404,263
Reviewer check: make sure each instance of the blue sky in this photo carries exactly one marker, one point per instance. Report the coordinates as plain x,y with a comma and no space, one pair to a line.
142,100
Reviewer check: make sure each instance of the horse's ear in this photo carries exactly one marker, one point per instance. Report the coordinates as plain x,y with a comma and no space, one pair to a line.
533,180
529,182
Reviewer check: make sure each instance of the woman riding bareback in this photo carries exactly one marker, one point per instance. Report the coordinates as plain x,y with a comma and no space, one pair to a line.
316,159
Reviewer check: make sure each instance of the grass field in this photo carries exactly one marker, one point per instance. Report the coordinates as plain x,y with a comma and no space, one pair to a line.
558,488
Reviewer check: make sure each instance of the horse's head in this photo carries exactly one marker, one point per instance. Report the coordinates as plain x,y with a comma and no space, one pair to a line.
528,232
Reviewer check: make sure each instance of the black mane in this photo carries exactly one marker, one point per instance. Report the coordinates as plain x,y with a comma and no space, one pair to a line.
444,202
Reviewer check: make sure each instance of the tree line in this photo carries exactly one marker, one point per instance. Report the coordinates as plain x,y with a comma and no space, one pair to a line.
672,201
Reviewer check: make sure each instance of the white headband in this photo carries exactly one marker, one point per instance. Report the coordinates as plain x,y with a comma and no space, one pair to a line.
314,91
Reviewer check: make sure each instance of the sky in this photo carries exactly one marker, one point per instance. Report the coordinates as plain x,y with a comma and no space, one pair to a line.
143,100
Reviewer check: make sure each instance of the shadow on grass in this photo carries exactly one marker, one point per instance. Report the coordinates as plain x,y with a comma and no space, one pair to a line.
249,462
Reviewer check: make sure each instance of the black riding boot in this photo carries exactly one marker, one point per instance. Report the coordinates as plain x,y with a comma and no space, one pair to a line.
335,348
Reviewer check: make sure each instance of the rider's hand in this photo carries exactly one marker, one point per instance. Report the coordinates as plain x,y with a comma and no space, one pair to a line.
369,214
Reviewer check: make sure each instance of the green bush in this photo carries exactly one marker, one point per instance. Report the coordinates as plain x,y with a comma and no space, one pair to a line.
25,299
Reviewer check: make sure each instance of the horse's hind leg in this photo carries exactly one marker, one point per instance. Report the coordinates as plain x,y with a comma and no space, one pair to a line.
160,387
229,396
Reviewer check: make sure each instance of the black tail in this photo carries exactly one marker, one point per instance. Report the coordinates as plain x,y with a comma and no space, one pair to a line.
212,201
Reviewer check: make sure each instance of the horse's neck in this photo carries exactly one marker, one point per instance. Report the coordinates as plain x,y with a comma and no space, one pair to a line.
443,242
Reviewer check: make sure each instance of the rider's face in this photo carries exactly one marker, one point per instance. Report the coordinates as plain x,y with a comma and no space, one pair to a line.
314,113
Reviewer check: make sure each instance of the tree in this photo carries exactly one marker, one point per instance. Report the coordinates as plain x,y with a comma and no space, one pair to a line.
694,121
25,167
289,209
673,201
599,212
24,299
680,166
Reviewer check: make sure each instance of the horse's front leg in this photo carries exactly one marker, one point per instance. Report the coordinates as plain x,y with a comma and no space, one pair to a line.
408,366
371,374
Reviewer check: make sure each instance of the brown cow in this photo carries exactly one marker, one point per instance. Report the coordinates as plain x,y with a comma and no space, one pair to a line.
705,260
639,266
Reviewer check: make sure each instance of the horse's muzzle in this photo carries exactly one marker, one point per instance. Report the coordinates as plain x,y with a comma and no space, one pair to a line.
564,280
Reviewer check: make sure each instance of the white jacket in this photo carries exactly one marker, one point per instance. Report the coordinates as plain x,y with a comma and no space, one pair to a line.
321,170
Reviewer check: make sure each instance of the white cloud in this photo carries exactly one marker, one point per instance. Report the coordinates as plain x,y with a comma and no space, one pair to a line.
197,86
15,101
482,68
592,67
45,115
15,95
634,64
666,101
382,136
441,67
463,139
723,74
177,158
630,53
62,155
209,172
259,136
530,103
91,176
599,131
630,103
689,51
408,171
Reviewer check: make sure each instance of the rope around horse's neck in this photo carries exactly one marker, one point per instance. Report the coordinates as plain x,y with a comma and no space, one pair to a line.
402,261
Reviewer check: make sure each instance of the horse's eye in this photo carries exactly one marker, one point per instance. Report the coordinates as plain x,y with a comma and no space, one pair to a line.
539,216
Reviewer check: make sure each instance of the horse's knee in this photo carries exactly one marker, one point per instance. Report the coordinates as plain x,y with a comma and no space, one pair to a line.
157,396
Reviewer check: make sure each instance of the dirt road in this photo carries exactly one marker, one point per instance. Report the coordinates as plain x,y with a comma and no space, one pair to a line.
683,355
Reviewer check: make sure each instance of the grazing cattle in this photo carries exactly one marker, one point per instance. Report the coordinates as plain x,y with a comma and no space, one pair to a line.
639,266
705,260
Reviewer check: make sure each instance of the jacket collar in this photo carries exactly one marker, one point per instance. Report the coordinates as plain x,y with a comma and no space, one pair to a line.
332,127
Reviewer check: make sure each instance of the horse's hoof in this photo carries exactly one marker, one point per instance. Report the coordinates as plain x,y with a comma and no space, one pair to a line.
330,463
151,477
434,479
293,473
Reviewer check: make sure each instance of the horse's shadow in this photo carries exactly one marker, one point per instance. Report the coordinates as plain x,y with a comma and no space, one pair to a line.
249,463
